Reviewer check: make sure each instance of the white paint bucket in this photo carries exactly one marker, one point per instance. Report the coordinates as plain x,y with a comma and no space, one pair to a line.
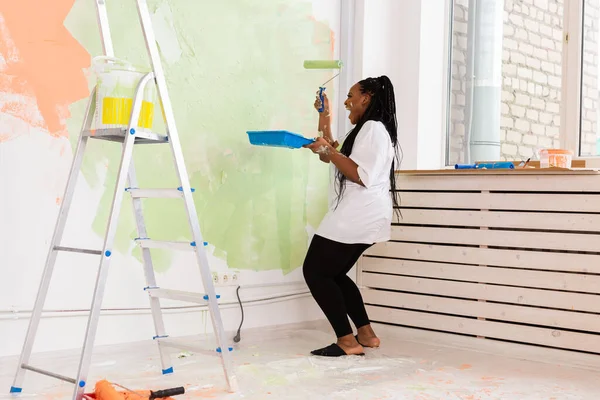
117,82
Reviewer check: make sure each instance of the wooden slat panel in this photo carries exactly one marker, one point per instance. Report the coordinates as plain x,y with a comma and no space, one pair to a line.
496,257
503,312
519,239
480,291
501,219
525,183
472,273
499,330
503,201
454,282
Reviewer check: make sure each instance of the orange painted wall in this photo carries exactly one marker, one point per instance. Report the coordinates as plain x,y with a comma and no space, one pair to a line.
42,70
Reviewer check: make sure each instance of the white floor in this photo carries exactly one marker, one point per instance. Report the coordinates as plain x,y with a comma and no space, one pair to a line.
274,364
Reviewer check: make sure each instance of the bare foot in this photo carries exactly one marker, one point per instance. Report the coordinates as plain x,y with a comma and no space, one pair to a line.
349,344
367,337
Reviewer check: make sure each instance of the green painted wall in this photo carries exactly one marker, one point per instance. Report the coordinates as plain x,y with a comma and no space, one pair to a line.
231,66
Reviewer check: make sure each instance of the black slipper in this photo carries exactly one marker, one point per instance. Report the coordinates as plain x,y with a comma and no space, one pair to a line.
333,350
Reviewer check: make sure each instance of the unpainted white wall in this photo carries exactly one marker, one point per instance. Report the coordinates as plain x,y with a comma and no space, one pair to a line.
405,40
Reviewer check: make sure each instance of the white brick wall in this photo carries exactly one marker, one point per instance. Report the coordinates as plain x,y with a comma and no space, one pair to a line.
531,89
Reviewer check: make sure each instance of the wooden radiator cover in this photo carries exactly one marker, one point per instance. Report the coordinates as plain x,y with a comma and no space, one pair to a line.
511,256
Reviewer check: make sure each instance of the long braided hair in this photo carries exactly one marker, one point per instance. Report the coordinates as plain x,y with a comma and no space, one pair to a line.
381,108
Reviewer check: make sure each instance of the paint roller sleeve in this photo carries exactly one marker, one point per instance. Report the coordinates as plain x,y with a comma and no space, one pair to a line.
323,64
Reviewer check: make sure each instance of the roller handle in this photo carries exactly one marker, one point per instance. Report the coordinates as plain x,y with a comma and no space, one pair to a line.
321,89
465,166
161,394
497,165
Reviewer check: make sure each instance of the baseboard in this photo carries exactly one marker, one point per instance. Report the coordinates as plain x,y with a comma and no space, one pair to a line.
67,332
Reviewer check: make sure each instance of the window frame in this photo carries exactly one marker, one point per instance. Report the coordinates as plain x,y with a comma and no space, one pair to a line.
447,82
570,102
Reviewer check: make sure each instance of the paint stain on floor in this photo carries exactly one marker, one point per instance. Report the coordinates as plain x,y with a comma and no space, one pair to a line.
272,364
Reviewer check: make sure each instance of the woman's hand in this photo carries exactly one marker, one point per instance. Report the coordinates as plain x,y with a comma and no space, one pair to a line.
321,147
325,111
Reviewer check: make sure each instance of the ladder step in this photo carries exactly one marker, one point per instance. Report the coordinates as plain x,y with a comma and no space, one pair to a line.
185,344
119,135
180,295
48,373
76,250
156,193
161,244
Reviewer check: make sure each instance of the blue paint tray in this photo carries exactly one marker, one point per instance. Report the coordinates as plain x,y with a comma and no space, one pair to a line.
278,139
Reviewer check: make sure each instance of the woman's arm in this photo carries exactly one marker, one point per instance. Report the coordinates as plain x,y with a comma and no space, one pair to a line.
327,153
346,166
324,126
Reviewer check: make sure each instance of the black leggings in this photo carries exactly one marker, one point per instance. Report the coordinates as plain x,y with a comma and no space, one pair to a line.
325,267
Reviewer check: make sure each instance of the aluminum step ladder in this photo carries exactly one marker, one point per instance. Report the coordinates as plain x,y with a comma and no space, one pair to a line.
127,184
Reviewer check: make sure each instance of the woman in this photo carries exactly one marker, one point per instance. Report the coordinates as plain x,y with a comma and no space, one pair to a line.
360,216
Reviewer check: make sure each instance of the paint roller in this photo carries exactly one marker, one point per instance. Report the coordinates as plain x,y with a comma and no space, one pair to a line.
104,391
323,64
281,138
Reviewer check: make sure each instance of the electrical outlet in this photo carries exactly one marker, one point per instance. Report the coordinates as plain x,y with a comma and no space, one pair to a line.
228,278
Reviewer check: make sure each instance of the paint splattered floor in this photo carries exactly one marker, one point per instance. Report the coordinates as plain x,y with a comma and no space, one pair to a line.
273,364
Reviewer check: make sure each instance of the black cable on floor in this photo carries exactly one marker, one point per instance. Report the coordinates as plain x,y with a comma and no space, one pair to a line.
238,337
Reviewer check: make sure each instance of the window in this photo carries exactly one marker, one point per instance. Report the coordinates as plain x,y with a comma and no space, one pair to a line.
511,107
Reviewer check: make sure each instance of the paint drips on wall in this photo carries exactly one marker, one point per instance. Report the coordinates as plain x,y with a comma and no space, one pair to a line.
230,67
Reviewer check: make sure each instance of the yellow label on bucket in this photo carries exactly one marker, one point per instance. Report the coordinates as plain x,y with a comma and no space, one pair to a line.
117,110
